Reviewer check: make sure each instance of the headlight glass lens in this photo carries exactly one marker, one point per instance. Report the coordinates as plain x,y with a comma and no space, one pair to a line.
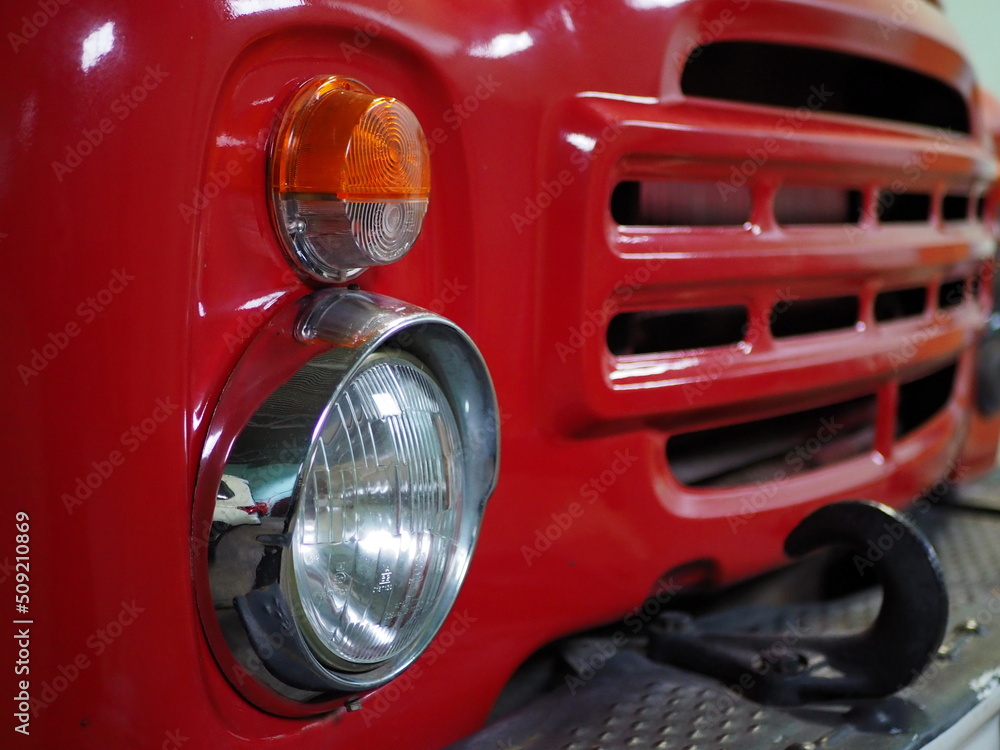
375,533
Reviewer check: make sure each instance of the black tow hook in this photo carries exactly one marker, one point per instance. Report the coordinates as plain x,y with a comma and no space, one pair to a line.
778,670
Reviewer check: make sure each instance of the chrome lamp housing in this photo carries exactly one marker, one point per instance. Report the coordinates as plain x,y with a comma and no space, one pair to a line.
342,487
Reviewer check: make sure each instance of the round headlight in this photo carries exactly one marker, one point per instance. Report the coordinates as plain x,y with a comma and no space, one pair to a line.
345,503
377,532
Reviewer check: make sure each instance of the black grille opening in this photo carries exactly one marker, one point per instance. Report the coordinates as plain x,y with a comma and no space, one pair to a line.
901,303
899,207
981,208
921,399
955,208
668,203
821,80
625,203
769,450
951,294
806,316
795,204
659,331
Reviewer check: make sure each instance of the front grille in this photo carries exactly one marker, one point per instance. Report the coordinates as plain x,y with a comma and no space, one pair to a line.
656,331
722,203
750,257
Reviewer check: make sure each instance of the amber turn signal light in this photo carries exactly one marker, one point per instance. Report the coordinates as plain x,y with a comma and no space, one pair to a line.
349,177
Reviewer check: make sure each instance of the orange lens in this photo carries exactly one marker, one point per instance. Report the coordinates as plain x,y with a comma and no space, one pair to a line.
350,178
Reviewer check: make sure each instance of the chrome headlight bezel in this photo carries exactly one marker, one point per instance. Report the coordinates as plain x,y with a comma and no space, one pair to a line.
246,598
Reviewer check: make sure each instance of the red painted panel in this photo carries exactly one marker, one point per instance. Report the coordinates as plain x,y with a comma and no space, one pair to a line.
141,261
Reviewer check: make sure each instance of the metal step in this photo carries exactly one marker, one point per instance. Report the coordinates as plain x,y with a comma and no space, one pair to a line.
618,698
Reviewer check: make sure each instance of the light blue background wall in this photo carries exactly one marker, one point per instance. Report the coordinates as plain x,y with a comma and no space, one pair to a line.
978,23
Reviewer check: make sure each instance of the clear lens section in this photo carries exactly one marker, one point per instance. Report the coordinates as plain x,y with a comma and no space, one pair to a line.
343,234
376,532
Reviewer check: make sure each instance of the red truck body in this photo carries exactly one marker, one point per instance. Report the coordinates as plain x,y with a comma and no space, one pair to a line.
142,262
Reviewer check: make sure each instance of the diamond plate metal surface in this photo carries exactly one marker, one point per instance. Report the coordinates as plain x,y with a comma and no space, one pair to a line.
618,698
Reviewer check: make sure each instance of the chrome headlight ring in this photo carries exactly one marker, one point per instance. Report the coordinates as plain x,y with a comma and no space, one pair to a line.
342,486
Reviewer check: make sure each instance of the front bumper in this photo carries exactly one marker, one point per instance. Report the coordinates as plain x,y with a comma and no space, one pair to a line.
615,697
